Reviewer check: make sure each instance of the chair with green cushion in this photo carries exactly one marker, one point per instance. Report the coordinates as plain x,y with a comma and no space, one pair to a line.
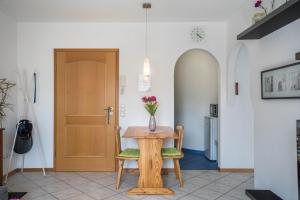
175,153
126,154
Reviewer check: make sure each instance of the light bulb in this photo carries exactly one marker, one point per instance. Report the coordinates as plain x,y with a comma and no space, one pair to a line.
146,67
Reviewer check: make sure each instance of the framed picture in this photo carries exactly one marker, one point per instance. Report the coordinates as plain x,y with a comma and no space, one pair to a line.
281,83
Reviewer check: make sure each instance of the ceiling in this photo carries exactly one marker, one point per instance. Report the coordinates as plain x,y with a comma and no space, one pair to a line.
118,10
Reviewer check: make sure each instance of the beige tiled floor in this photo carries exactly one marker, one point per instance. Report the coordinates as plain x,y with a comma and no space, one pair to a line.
200,185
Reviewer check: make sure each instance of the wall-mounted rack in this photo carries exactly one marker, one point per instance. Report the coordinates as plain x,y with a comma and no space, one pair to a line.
277,19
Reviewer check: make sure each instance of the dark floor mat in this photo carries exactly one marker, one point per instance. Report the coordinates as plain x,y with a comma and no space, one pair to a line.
16,195
195,160
262,195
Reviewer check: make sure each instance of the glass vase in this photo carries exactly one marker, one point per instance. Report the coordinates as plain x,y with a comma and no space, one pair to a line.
258,16
152,123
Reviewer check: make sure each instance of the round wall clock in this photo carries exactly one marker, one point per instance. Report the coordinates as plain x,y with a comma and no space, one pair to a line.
197,34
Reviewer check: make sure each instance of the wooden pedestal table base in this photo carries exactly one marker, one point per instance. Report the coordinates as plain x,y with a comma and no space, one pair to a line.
150,161
150,165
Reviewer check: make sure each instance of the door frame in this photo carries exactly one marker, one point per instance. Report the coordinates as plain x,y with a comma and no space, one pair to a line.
116,110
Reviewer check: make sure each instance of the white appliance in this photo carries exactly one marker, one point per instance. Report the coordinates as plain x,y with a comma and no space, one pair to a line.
211,138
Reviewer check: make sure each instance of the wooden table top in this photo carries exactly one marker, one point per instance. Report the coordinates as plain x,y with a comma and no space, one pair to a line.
161,132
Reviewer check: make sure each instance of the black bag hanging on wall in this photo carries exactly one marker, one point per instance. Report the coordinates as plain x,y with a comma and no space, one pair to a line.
24,141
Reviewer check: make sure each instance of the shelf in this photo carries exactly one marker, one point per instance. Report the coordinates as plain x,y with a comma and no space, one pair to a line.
262,195
277,19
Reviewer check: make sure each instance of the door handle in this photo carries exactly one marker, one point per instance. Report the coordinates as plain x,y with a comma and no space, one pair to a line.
109,110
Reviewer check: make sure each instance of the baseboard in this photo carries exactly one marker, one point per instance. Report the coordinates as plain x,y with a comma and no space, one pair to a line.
15,171
11,173
135,171
132,170
35,170
237,170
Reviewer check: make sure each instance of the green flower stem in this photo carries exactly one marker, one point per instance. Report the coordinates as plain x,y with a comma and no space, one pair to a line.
151,108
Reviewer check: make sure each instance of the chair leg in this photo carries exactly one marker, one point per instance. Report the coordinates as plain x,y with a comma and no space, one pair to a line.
138,166
179,172
121,163
175,169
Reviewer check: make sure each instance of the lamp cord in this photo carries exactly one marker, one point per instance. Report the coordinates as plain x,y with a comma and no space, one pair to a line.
146,35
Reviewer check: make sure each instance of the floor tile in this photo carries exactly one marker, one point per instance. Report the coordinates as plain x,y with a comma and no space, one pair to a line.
35,175
170,181
178,194
218,187
56,187
44,197
211,176
118,197
188,187
191,197
64,176
17,179
48,180
241,176
207,194
92,175
226,197
245,186
218,172
155,197
81,197
123,187
135,197
237,193
199,181
201,185
76,181
28,187
34,194
129,178
107,180
101,193
88,187
229,181
66,194
192,173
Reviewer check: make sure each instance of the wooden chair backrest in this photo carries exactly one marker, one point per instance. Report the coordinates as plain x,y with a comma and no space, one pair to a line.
118,140
179,141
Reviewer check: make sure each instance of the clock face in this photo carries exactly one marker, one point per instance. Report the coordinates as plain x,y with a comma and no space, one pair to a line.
197,34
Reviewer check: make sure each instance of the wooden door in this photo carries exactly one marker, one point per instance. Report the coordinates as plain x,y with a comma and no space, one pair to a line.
86,85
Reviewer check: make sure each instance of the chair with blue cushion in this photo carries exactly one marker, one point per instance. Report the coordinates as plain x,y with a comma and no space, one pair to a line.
175,153
126,154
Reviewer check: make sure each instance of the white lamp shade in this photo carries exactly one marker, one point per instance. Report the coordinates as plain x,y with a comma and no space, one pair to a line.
146,67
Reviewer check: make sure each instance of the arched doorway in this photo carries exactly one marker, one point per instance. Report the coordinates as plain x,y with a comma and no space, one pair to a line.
196,88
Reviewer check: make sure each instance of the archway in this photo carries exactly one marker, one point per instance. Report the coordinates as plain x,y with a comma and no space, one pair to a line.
196,87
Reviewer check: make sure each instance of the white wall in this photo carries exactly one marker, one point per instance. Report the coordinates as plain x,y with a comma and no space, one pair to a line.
238,121
275,120
8,68
168,41
196,87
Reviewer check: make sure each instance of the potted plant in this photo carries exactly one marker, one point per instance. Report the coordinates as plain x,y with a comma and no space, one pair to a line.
151,105
262,13
5,86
